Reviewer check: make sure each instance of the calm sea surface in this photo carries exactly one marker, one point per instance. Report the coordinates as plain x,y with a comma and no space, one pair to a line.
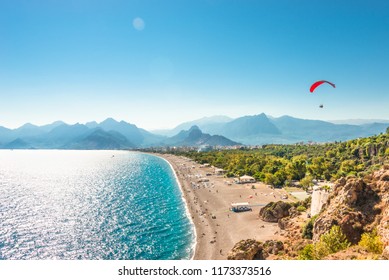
91,205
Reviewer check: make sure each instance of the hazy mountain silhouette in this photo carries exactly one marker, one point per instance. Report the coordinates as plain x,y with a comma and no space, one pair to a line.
217,130
206,124
195,137
109,134
63,135
139,137
261,129
18,144
49,127
99,139
322,131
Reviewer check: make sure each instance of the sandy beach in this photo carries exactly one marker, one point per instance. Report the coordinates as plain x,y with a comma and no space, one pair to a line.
209,197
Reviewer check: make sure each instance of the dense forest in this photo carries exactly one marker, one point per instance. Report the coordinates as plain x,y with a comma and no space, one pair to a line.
279,165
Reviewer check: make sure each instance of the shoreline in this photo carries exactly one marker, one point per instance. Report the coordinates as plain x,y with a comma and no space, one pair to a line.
216,228
194,244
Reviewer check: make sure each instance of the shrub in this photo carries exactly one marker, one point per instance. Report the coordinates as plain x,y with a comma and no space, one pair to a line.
306,182
330,242
307,253
301,208
321,250
335,240
371,241
315,251
306,202
288,183
308,229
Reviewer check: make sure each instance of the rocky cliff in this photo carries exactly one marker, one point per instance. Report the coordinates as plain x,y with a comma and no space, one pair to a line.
251,249
356,205
274,211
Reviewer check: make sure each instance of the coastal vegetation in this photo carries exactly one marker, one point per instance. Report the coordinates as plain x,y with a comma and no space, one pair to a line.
330,243
353,222
280,165
335,241
371,241
308,228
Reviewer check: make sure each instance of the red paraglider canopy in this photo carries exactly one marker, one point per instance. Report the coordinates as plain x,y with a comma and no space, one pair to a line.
318,83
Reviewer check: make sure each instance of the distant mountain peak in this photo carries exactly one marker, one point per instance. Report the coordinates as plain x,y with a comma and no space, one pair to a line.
18,143
194,127
195,137
250,126
109,121
250,130
101,139
92,124
57,123
28,125
195,133
203,123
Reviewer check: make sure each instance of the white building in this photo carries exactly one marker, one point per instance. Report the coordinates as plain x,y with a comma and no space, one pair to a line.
219,171
246,179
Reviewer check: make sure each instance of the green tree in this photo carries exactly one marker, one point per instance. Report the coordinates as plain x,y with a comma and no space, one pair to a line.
280,178
335,240
270,179
317,167
296,169
330,242
307,253
306,182
308,228
371,241
347,166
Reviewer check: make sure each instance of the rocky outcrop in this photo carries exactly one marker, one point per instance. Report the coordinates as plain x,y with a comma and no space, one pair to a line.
274,211
357,205
251,249
353,253
385,253
273,247
382,185
284,223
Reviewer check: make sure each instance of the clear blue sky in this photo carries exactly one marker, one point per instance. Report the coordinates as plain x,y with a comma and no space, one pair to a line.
159,63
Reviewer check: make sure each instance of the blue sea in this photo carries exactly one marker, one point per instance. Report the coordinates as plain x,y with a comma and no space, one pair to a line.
120,205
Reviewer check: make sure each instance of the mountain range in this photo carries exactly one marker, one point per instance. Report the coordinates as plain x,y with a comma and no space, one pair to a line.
195,137
263,129
109,134
212,131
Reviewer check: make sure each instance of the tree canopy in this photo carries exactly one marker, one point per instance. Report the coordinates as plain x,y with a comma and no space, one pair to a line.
277,164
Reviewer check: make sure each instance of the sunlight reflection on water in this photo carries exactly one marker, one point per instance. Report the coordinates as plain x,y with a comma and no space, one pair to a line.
90,205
